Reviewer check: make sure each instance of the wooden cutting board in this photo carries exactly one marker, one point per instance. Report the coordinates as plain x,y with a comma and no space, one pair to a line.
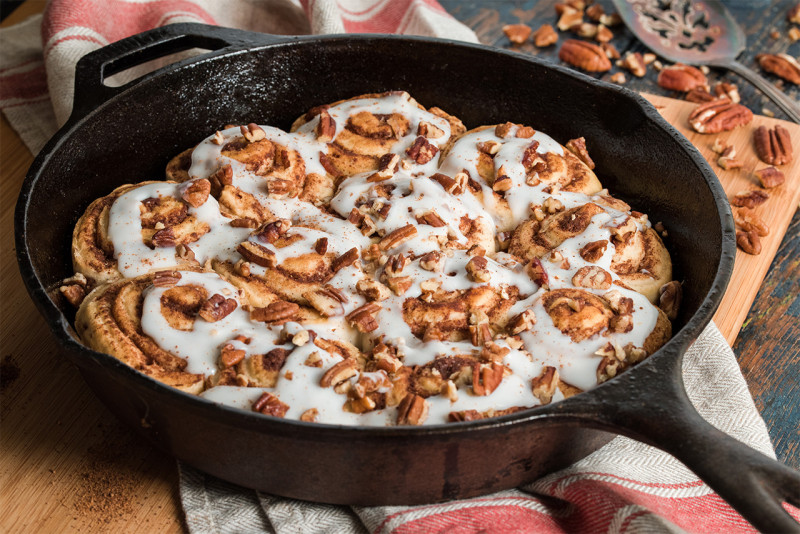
777,211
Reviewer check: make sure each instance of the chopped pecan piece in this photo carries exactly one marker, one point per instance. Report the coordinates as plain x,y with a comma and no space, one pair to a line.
216,308
592,277
728,90
517,33
255,253
774,146
426,129
669,299
750,198
276,313
486,378
432,261
412,410
164,238
607,369
310,415
449,184
770,177
478,269
397,237
269,404
544,386
345,260
422,151
327,300
522,322
585,56
196,193
603,35
230,355
372,289
578,147
326,127
536,271
749,242
545,36
343,370
634,63
568,18
270,232
363,318
253,132
73,293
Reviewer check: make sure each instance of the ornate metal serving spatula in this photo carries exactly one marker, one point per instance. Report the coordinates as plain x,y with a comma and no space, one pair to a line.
697,33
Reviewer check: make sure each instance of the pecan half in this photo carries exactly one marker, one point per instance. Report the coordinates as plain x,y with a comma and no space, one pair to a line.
669,299
781,65
276,313
412,410
718,116
680,77
749,242
585,56
197,193
578,147
774,146
545,36
517,33
544,386
592,252
770,177
748,220
750,198
269,404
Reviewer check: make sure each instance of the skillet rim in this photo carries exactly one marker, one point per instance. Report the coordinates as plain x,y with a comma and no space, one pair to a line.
567,411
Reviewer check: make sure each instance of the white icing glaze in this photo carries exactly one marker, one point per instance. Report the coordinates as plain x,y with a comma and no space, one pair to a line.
412,194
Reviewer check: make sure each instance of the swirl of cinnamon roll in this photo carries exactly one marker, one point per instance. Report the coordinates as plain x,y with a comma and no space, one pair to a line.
148,226
508,166
360,132
594,233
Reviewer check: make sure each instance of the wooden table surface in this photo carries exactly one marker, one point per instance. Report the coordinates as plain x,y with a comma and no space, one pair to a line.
87,473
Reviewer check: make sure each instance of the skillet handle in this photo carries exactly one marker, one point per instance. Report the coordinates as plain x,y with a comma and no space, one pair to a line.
654,408
92,69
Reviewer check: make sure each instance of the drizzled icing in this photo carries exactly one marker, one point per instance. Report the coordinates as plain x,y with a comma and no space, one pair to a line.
410,194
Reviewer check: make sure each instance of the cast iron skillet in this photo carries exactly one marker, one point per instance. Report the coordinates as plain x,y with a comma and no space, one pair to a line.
127,134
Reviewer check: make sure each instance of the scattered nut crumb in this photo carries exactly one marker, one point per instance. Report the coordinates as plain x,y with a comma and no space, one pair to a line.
618,77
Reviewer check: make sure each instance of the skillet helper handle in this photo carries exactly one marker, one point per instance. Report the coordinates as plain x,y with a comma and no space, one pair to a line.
92,69
657,411
786,104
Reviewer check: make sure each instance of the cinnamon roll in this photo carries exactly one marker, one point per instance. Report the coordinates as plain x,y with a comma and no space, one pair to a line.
376,265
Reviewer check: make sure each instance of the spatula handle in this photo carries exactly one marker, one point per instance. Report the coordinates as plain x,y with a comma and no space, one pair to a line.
773,93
